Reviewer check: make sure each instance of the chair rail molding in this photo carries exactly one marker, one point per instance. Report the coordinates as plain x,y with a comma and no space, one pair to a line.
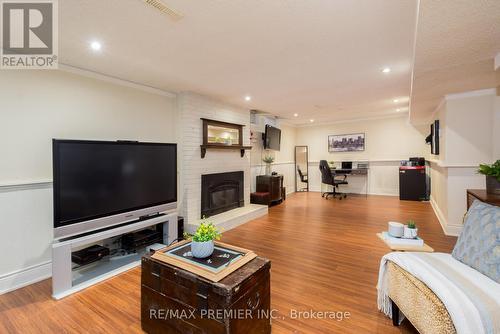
9,186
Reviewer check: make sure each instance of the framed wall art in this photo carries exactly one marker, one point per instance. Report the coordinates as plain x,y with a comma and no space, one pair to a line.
346,143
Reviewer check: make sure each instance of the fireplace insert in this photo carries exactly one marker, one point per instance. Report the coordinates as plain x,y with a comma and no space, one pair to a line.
221,192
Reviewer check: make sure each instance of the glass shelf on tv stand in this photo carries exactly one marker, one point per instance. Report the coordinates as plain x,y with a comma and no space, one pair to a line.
66,281
82,274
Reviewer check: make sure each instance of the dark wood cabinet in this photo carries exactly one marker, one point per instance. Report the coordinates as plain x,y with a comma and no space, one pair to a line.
175,301
273,184
483,196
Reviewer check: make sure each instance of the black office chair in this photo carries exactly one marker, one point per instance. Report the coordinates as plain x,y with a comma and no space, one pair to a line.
327,177
303,179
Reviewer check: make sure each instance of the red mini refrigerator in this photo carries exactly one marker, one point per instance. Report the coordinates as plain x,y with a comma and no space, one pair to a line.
412,183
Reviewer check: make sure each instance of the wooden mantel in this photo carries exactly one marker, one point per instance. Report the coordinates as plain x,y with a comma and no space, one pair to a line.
222,146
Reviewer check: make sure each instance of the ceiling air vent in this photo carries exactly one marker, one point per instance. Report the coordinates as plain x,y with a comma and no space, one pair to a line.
159,5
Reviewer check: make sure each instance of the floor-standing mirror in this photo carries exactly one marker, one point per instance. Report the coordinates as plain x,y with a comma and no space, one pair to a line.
301,169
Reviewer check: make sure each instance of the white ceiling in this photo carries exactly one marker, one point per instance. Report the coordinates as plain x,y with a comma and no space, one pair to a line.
456,43
321,59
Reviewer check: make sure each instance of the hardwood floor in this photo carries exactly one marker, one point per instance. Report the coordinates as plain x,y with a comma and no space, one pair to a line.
324,254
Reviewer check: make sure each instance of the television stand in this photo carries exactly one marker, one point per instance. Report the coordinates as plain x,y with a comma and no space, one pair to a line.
66,280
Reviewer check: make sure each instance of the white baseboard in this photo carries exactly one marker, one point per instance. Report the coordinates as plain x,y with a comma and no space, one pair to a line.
23,277
439,214
382,194
453,230
448,229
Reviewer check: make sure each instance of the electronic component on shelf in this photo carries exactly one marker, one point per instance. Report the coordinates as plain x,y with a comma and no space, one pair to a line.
141,238
89,255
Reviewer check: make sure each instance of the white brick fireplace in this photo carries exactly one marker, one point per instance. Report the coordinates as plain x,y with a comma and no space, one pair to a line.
192,107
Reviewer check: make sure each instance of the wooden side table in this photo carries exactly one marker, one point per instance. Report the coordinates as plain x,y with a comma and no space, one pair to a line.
404,248
483,196
273,184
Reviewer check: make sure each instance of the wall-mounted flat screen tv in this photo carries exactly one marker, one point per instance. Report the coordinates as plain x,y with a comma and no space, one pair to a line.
435,138
272,138
102,183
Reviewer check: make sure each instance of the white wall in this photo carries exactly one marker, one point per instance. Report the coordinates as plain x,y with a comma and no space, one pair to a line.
441,114
459,180
469,129
284,163
386,139
439,174
496,128
40,105
37,106
439,191
387,142
287,149
468,137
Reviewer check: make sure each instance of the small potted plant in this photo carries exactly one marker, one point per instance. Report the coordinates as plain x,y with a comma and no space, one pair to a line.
202,243
268,159
410,230
492,173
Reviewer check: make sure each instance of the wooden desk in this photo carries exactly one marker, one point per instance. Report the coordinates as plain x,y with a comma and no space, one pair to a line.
352,171
401,248
483,196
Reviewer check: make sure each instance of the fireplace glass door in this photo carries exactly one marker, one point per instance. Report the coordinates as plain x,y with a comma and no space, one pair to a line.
221,192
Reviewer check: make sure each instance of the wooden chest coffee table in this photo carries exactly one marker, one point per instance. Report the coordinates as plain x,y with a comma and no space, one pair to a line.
174,300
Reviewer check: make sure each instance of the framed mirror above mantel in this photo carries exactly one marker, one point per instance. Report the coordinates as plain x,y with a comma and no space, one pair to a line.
222,135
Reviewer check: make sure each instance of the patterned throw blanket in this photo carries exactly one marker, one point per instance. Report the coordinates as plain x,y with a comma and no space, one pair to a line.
471,298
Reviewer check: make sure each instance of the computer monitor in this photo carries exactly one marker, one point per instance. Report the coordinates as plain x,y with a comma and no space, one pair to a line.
346,164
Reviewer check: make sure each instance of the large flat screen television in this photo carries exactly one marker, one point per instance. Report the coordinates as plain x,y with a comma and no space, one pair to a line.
272,138
433,138
98,184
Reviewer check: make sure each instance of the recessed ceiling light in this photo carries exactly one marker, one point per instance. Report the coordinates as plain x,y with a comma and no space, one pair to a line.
395,100
295,115
398,109
96,46
311,120
386,70
248,98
